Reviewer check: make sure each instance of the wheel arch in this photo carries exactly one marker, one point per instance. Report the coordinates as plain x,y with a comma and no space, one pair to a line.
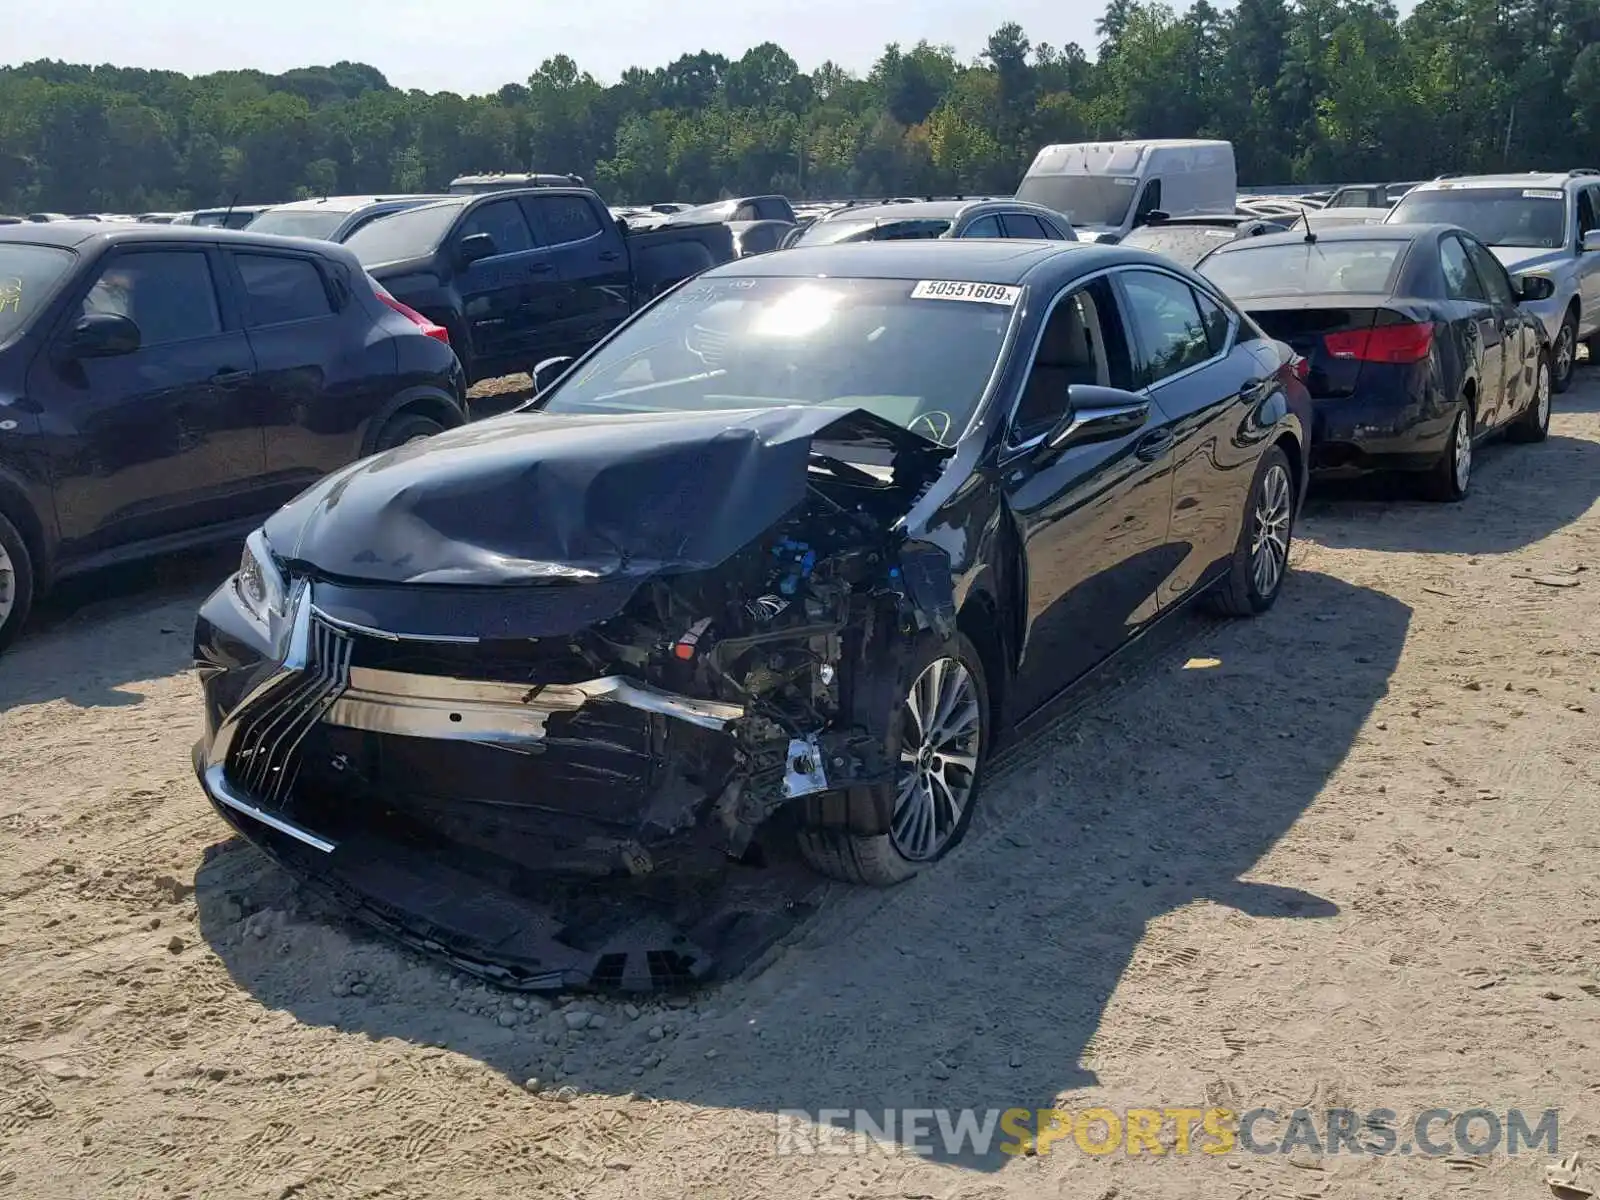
21,512
420,401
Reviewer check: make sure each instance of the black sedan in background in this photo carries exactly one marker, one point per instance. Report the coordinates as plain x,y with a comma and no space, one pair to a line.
1416,340
802,539
164,385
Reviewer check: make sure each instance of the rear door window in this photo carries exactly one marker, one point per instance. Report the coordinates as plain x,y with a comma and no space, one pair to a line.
279,289
563,219
1023,225
984,227
1169,331
168,294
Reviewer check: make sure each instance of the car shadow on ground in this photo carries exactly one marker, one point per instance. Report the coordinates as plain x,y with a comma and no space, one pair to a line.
1537,490
983,983
142,615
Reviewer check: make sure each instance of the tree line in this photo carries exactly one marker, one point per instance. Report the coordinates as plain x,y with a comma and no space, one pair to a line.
1307,90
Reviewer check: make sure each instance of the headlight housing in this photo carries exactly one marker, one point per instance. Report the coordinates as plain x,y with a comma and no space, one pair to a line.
259,583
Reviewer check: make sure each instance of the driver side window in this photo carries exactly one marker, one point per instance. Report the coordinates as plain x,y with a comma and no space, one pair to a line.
503,221
1082,343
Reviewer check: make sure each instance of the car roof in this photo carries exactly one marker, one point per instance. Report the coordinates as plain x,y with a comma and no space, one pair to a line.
1527,179
928,210
1339,233
981,260
349,204
78,234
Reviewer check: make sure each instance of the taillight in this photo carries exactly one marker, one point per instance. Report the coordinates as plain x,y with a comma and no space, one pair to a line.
1300,367
1383,343
437,332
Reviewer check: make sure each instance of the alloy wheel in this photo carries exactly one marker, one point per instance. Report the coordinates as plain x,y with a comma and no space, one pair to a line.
1463,459
1566,350
1542,395
8,585
1269,541
941,737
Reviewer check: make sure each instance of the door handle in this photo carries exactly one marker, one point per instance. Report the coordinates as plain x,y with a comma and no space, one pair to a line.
610,255
540,268
1154,444
228,377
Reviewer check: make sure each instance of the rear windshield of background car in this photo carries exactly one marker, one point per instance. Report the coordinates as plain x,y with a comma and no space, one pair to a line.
411,233
827,233
28,274
1525,217
1186,244
1306,268
319,223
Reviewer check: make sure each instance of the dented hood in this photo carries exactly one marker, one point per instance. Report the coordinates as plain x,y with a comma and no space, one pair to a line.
534,497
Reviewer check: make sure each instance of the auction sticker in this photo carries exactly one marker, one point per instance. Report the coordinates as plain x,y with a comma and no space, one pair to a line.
1542,194
960,289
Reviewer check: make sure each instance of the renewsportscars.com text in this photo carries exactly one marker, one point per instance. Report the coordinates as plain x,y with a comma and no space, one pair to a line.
1434,1132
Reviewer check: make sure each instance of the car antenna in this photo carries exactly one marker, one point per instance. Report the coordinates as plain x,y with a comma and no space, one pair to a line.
1311,234
229,213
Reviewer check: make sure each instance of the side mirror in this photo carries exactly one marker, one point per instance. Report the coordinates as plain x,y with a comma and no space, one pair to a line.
548,371
1535,287
1591,242
1096,414
476,246
103,335
1157,216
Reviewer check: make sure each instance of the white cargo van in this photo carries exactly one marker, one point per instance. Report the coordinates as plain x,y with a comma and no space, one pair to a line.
1107,188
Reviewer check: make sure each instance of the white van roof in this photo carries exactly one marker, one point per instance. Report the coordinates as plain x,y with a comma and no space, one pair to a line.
1132,157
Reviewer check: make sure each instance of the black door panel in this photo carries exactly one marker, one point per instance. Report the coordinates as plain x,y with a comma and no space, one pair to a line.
1093,519
319,371
594,296
166,438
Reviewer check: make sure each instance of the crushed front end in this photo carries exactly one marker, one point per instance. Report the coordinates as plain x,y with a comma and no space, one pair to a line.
548,784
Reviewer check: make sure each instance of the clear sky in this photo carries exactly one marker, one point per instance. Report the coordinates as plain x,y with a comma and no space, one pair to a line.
477,45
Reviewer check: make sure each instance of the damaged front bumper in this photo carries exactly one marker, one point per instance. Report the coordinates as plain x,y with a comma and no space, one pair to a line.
357,777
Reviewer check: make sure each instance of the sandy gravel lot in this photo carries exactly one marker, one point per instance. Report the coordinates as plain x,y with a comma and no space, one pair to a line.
1351,864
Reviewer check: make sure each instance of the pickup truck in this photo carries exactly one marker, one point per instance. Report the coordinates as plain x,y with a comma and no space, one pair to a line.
520,276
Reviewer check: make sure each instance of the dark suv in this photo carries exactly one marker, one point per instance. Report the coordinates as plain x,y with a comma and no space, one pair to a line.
163,386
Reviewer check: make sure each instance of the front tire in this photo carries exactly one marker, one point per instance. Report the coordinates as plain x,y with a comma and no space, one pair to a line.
16,583
941,739
1533,423
1261,557
1451,477
1564,354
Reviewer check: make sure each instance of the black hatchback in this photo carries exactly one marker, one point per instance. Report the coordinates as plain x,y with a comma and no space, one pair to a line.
166,386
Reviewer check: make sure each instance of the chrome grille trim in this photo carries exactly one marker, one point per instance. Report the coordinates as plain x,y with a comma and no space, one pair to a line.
267,730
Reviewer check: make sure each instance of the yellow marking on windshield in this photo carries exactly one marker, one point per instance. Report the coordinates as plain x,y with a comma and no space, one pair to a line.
11,295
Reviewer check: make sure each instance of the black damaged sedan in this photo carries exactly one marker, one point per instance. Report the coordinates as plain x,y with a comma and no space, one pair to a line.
785,556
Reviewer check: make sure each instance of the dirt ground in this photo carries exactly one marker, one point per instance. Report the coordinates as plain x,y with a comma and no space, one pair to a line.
1351,862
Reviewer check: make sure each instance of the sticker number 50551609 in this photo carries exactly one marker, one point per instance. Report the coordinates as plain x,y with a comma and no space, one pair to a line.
960,289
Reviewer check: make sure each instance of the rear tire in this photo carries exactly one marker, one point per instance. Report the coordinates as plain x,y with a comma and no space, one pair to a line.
16,583
1451,477
925,790
1261,557
1533,423
406,427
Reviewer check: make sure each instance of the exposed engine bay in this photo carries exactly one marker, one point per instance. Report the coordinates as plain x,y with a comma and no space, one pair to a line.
639,743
